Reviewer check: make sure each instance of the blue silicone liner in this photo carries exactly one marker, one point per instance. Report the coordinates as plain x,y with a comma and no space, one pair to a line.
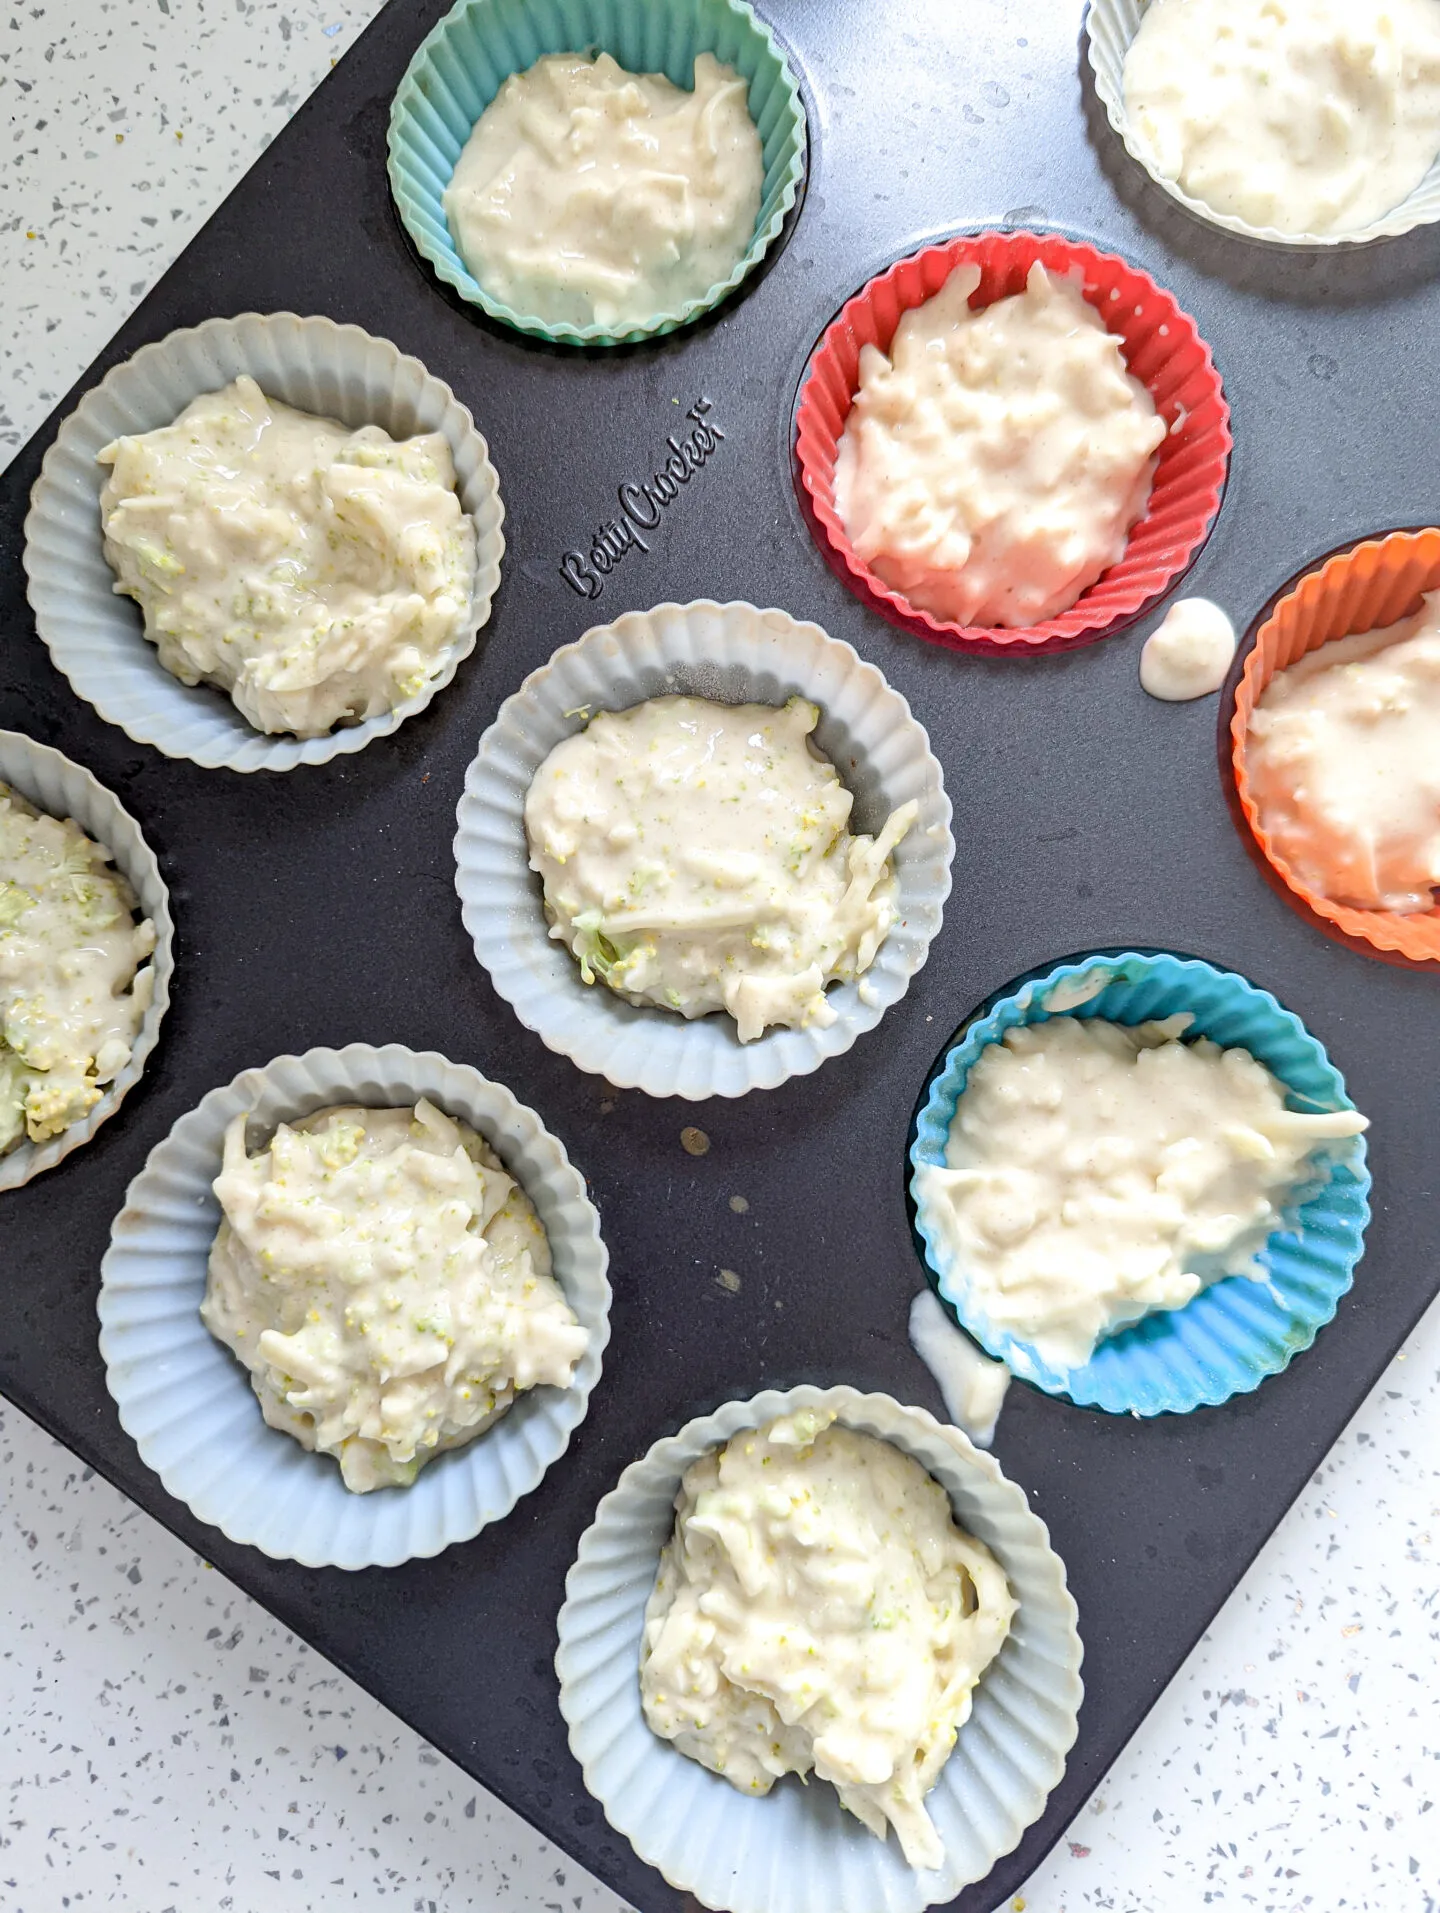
1237,1331
460,67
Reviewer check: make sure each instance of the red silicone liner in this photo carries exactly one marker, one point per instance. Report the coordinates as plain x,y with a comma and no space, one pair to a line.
1162,348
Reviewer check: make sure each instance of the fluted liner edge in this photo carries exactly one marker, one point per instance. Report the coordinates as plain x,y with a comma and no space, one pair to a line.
52,783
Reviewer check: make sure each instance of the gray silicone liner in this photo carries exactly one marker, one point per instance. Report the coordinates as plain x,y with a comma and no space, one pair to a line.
188,1404
737,654
95,636
53,784
795,1850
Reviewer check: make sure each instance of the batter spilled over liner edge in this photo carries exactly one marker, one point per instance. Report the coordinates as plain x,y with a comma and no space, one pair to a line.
642,505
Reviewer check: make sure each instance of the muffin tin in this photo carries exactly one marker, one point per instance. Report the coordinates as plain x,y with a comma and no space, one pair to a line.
318,907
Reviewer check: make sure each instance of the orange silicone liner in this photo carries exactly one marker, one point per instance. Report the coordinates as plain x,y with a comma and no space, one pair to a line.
1162,348
1374,583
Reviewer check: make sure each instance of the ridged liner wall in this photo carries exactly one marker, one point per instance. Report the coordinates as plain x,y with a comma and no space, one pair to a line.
1110,26
95,636
796,1850
737,654
187,1402
1162,349
53,784
1237,1331
465,60
1375,583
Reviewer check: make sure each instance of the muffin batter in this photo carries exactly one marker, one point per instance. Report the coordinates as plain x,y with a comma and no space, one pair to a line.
387,1285
1306,116
589,195
318,575
73,991
992,466
697,856
1097,1171
1343,757
818,1609
1190,652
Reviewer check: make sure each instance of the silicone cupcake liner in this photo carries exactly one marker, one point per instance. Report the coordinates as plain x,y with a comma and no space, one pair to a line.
96,636
1110,26
1372,584
1163,350
1238,1330
188,1403
462,65
796,1848
53,784
737,654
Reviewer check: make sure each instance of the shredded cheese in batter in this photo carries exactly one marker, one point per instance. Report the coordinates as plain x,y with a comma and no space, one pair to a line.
697,856
387,1285
1343,756
319,575
1306,116
74,983
1097,1171
818,1608
589,195
993,464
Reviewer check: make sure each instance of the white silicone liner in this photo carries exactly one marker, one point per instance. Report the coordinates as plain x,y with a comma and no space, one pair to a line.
96,636
188,1403
53,784
796,1850
1110,26
736,654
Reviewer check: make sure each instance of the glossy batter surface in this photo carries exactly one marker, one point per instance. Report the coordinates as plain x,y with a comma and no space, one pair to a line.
697,856
587,194
1306,116
994,461
1343,756
318,575
1096,1171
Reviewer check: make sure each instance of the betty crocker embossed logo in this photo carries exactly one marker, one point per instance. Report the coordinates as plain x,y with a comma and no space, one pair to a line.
643,503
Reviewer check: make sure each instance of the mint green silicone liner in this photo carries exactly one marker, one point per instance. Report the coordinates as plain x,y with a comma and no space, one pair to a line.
462,64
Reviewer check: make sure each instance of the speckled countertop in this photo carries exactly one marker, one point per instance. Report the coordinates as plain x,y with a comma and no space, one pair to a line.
170,1749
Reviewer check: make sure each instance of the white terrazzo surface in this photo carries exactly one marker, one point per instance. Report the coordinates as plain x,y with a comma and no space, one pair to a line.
170,1749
